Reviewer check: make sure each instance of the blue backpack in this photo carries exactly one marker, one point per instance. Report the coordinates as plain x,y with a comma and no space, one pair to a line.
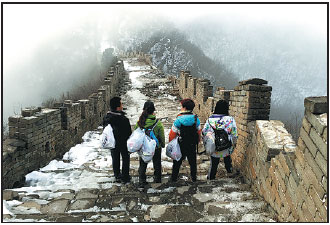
150,132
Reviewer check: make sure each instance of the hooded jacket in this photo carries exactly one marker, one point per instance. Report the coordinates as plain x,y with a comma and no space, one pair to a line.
120,125
186,118
227,123
158,130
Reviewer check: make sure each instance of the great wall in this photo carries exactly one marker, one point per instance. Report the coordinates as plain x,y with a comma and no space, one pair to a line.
290,178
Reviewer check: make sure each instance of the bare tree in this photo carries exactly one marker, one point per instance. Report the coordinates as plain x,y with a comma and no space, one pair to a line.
293,125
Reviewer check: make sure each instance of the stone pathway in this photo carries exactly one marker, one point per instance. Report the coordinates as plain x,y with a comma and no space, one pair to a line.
81,187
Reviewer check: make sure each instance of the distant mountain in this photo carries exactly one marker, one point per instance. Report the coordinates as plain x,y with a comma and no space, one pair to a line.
172,52
291,60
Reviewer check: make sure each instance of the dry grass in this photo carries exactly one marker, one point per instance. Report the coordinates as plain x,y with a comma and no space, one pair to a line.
293,125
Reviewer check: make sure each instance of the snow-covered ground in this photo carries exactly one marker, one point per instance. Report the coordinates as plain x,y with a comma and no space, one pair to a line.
87,167
70,172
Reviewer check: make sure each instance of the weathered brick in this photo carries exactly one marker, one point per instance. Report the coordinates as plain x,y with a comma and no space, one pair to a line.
252,171
324,183
284,213
308,142
268,187
300,157
283,163
325,135
273,177
307,199
318,141
292,189
306,125
321,162
311,179
318,217
291,204
280,179
301,145
317,200
253,87
315,121
275,193
315,167
302,217
308,215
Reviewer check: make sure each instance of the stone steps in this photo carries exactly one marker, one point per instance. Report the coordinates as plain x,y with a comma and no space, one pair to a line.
221,200
184,201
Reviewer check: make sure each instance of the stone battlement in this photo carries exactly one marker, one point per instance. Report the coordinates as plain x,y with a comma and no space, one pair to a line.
40,135
291,178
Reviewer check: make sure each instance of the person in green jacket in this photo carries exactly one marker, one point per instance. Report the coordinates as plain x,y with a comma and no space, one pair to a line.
148,120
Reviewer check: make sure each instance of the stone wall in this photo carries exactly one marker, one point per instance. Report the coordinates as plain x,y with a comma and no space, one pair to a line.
291,178
40,135
140,55
249,101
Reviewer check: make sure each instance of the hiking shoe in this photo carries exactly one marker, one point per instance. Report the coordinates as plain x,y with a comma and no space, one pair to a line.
233,174
158,180
143,184
126,180
172,180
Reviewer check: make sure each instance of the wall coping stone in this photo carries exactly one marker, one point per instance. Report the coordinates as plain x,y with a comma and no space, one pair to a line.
275,135
47,110
316,105
257,81
83,100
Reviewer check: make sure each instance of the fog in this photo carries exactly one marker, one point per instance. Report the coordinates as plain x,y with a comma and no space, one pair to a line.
48,49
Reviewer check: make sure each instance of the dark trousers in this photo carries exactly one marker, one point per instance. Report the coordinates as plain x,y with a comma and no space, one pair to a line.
156,160
115,154
214,166
188,151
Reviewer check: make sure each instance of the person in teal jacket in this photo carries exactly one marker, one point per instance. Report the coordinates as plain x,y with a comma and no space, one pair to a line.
148,120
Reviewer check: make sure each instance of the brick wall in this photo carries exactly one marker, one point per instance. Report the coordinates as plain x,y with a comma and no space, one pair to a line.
38,135
292,179
250,101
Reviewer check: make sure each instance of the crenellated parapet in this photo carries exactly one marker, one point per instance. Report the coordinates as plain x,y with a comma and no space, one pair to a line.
291,177
40,135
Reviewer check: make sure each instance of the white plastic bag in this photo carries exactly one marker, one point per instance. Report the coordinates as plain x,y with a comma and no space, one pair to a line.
107,138
148,149
209,143
173,150
135,141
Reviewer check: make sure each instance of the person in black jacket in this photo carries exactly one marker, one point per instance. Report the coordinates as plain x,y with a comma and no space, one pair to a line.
121,130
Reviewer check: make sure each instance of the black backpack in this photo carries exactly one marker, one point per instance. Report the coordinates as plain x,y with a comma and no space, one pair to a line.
188,134
222,141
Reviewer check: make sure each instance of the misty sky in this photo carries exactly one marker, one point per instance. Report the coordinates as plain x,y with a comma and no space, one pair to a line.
28,29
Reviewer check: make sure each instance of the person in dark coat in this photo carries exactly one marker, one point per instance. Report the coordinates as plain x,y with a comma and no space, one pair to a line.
121,130
148,120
